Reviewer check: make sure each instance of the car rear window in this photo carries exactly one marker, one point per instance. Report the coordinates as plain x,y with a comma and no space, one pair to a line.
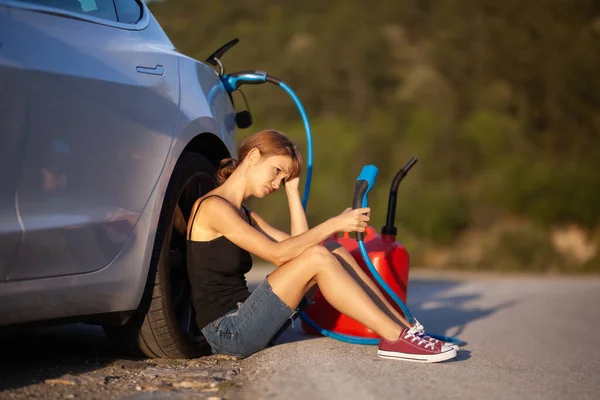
128,11
104,9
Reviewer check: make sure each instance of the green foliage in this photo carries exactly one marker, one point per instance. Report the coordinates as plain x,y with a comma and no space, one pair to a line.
500,101
435,211
592,266
526,249
548,193
490,137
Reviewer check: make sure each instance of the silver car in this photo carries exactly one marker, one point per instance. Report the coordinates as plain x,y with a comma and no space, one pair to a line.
107,137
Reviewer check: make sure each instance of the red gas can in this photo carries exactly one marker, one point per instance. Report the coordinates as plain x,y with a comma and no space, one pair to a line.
390,259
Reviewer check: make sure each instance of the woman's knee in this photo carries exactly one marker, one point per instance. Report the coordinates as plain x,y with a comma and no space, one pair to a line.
319,256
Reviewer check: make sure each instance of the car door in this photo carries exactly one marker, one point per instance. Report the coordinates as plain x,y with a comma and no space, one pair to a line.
102,103
11,107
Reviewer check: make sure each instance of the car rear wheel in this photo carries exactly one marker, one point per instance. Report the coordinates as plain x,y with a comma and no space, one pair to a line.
164,324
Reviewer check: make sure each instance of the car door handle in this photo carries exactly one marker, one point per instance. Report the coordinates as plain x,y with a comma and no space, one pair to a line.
158,70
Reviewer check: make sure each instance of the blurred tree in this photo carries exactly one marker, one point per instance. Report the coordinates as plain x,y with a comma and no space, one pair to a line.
500,101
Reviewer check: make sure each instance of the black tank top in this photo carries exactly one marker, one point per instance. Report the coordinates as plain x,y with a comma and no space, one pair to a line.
216,269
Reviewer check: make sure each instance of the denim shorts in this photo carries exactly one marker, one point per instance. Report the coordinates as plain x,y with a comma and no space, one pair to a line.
254,325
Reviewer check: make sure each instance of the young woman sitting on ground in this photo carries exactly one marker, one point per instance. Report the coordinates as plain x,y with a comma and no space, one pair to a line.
222,233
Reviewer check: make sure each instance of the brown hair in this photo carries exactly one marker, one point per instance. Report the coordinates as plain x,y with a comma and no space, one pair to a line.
270,143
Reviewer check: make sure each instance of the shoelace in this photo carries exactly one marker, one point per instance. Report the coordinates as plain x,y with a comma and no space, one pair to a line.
414,333
420,332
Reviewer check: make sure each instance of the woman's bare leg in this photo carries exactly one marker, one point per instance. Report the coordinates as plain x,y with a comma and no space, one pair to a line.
350,264
318,265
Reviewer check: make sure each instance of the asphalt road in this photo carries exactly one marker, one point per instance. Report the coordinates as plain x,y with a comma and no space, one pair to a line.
528,338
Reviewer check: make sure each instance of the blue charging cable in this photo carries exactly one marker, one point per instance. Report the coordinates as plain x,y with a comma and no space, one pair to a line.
364,184
309,161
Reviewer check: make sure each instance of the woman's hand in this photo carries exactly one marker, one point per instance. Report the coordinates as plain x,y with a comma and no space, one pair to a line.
292,184
353,220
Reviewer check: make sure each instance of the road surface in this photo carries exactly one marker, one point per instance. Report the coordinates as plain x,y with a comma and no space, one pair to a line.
528,338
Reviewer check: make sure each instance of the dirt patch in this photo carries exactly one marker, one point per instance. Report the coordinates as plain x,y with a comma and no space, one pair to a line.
78,362
208,377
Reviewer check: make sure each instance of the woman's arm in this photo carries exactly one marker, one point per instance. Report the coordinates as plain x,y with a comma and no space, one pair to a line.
299,224
263,226
222,217
298,221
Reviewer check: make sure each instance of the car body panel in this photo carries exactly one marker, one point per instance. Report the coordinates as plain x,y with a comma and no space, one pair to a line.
94,140
11,107
204,91
118,285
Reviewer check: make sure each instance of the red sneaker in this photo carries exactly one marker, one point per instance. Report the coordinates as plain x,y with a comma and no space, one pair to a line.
421,333
410,347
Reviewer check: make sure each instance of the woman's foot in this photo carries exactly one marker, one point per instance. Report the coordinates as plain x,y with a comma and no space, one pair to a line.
411,347
421,333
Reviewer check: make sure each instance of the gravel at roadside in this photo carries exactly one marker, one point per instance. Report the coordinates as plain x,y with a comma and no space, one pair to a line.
77,362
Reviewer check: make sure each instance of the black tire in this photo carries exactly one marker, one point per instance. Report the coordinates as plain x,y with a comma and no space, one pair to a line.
164,324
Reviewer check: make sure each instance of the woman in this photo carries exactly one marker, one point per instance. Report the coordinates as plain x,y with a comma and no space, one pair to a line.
222,233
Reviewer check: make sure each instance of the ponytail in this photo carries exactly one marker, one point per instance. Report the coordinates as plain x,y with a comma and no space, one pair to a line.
226,168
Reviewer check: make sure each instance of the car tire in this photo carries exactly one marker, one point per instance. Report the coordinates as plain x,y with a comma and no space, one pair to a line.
157,328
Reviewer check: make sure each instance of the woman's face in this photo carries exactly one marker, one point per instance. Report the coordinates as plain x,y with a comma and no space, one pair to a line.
269,173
